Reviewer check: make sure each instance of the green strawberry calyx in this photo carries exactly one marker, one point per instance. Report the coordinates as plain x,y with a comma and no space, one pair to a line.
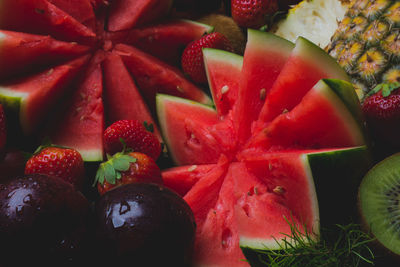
111,169
386,88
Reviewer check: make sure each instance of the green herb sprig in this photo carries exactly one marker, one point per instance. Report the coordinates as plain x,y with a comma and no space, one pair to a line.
341,246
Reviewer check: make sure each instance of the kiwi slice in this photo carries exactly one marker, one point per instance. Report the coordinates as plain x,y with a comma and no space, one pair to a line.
379,202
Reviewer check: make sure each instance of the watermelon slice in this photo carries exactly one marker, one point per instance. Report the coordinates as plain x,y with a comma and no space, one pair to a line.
122,97
35,96
168,81
220,67
81,125
254,83
42,17
167,41
250,194
38,39
129,13
22,52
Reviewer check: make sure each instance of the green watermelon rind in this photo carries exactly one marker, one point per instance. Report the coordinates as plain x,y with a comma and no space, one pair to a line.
311,53
14,101
91,155
340,95
207,28
331,166
267,41
346,92
160,100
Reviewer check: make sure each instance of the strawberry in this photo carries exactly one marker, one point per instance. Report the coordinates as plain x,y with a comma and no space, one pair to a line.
134,135
252,13
3,131
65,163
192,57
381,108
125,168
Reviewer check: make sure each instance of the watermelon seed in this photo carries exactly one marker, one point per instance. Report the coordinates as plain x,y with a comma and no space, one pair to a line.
50,71
263,94
192,168
270,166
180,89
224,89
285,111
226,238
279,190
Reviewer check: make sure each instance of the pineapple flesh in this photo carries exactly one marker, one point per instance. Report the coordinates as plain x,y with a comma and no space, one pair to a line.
367,43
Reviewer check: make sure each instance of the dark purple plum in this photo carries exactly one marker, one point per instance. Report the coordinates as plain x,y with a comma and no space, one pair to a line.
144,224
43,220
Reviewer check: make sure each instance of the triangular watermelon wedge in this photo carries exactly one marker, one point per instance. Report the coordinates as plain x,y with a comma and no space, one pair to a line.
129,13
123,100
264,57
42,17
221,66
81,10
166,41
326,121
306,66
169,80
34,96
23,52
81,124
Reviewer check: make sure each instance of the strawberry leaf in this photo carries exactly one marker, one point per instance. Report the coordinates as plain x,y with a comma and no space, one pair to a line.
122,162
385,90
109,173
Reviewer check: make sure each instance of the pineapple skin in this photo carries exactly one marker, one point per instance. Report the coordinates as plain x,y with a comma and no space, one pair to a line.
367,43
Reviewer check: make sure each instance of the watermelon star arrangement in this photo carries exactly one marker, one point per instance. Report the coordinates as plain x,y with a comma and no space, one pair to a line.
286,130
69,67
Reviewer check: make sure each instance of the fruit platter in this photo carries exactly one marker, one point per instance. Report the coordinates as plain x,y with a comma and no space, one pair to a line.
199,133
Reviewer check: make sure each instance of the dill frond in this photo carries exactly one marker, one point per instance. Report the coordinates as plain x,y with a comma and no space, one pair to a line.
340,246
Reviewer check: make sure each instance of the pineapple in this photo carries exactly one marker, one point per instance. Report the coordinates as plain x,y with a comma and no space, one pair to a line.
315,20
367,43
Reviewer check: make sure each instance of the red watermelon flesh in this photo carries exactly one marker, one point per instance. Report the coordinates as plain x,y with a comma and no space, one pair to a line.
125,14
153,75
321,125
258,75
20,52
306,66
220,67
182,179
42,17
122,97
81,10
41,35
40,93
83,121
167,41
261,187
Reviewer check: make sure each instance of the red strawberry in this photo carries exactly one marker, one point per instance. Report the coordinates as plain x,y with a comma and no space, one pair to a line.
192,57
252,13
3,131
64,163
382,112
125,168
135,136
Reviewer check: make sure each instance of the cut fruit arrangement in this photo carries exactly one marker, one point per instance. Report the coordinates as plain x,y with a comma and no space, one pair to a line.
285,118
59,58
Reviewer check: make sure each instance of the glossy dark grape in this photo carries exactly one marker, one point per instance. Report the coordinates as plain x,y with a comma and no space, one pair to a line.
43,220
145,224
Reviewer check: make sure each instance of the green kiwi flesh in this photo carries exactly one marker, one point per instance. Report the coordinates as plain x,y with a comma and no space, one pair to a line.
379,202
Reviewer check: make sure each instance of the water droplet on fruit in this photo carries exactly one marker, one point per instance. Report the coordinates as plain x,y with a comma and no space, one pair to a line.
27,199
124,208
117,221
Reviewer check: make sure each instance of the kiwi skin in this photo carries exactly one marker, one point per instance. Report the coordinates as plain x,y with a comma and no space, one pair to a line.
225,25
383,256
